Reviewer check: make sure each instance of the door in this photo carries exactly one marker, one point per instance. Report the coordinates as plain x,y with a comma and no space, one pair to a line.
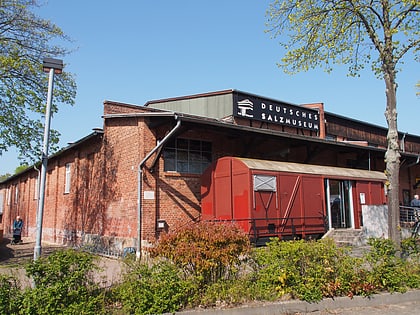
265,205
340,206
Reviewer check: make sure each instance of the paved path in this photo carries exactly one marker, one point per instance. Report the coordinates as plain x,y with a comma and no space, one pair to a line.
379,304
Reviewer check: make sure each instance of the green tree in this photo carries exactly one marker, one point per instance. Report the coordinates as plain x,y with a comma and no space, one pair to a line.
324,33
4,177
25,39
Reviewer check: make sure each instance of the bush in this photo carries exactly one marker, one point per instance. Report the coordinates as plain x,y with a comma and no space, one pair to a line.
309,270
63,285
410,247
153,289
388,271
10,295
229,292
208,251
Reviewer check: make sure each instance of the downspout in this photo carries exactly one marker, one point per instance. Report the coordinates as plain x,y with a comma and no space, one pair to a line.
402,143
140,182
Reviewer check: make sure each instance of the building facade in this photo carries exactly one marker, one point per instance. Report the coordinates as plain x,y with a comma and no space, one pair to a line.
141,175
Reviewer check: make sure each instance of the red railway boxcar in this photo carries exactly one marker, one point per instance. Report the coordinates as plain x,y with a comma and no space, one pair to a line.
287,200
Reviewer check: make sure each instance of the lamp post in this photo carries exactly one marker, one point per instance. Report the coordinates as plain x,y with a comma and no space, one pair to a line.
51,66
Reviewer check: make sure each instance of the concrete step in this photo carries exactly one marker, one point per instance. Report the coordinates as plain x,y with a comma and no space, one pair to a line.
346,237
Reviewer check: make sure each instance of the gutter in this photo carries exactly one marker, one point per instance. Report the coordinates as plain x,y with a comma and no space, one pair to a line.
414,163
140,182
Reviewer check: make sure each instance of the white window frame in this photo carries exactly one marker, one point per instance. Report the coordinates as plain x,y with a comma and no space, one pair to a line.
36,188
16,193
9,196
67,183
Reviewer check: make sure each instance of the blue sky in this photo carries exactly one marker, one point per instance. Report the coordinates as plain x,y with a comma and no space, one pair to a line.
133,51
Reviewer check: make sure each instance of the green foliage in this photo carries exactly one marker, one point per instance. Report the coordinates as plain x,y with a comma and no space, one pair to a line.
5,176
209,251
306,270
299,268
311,270
63,285
324,33
25,40
229,292
153,289
10,295
410,246
387,270
355,33
21,168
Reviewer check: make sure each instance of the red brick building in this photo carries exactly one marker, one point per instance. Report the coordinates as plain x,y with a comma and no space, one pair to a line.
141,174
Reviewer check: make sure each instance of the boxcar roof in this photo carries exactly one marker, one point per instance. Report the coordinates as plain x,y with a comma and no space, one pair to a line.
336,172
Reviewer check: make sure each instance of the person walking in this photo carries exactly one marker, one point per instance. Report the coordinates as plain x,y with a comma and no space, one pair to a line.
17,230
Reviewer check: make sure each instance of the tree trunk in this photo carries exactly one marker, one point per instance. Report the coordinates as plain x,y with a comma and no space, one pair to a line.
392,160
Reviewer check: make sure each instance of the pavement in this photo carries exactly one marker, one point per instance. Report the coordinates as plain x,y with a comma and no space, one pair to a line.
379,304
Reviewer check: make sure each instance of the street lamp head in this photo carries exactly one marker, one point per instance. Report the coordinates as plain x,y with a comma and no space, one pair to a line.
51,63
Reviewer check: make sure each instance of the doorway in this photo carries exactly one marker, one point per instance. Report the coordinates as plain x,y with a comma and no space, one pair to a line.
340,206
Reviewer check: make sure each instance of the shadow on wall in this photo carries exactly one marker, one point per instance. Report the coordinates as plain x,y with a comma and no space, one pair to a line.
187,206
96,185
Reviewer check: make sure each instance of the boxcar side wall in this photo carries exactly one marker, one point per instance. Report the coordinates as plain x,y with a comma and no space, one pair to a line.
267,203
366,193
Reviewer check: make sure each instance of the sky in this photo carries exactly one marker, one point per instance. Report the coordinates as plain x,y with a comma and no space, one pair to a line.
135,51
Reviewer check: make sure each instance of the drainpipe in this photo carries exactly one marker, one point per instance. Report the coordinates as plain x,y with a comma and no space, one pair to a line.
140,182
402,143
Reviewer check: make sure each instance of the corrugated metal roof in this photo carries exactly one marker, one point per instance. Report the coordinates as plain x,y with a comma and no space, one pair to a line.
345,173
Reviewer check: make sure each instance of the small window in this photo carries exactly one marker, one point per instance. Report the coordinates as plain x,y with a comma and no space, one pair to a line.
68,178
187,156
265,183
1,204
16,194
9,196
36,188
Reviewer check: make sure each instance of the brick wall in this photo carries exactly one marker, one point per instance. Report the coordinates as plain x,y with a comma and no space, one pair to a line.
104,179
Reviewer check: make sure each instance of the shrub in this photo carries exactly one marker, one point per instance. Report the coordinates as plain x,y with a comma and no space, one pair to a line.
153,289
206,250
388,271
410,247
63,285
309,270
10,295
349,278
229,292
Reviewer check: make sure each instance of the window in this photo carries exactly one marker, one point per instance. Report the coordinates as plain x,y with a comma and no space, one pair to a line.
9,196
16,194
36,188
68,178
1,204
187,156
